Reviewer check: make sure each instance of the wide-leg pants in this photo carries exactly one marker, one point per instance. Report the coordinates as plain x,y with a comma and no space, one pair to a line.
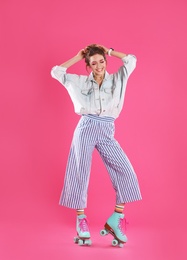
97,132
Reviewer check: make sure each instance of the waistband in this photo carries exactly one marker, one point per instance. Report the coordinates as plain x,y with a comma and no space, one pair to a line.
99,118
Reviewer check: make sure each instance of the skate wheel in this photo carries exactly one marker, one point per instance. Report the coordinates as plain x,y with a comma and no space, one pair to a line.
103,232
80,242
121,245
76,240
88,242
114,242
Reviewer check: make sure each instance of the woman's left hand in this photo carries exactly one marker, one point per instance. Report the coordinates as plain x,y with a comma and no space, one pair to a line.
105,48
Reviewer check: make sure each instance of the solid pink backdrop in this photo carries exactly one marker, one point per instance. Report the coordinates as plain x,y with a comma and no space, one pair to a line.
38,120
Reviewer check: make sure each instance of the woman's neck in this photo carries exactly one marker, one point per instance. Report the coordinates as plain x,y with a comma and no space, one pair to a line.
99,79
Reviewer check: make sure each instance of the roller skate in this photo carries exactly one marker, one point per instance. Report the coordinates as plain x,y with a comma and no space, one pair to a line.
113,226
83,234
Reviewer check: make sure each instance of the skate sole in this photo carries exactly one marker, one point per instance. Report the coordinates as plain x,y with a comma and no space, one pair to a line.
108,230
82,241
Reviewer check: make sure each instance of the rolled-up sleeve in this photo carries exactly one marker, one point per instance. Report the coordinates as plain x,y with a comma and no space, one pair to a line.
129,63
58,73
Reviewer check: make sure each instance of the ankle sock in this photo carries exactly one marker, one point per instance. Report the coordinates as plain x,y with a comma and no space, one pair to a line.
119,208
80,212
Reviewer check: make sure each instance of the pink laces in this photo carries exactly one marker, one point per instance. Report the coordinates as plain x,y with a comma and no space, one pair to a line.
122,223
83,225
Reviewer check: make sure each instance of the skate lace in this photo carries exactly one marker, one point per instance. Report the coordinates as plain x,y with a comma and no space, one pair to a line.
122,225
83,224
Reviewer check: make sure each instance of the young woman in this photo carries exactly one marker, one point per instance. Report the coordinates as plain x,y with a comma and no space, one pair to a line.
99,99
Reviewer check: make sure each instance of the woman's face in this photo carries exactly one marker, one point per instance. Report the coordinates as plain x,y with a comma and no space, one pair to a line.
98,65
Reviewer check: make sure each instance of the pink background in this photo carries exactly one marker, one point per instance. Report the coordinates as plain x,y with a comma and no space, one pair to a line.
38,120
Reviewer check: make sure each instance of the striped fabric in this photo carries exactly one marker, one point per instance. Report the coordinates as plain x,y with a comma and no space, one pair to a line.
97,132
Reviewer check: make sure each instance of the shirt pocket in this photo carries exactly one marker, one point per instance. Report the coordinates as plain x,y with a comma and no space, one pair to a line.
108,87
108,91
87,92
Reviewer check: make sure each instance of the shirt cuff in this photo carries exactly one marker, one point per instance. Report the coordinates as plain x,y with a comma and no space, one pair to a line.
57,69
128,57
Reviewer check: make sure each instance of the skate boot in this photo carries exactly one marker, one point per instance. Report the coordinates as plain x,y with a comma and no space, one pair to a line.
83,234
114,227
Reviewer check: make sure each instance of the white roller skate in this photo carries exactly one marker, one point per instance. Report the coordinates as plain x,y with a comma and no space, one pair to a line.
83,234
114,227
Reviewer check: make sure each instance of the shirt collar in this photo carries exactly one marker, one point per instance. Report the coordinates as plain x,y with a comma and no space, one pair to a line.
91,78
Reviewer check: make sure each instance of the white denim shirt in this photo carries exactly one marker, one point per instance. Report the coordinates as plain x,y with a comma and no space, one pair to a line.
89,98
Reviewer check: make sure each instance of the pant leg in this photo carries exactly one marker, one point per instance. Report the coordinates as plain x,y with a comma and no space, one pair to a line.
74,193
122,174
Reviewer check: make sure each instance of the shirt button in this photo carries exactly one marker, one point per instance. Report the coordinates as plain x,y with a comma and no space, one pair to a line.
104,110
103,99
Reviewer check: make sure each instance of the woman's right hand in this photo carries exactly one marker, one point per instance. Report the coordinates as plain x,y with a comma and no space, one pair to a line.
75,59
80,54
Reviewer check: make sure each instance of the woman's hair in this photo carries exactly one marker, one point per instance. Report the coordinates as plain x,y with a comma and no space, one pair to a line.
91,50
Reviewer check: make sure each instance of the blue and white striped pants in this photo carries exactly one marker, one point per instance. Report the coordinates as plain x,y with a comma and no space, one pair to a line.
97,132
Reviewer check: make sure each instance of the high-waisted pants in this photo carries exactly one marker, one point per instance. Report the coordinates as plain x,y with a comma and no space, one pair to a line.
97,132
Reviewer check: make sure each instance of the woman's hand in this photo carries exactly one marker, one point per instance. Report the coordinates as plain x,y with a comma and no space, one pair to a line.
105,48
75,59
80,54
114,53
